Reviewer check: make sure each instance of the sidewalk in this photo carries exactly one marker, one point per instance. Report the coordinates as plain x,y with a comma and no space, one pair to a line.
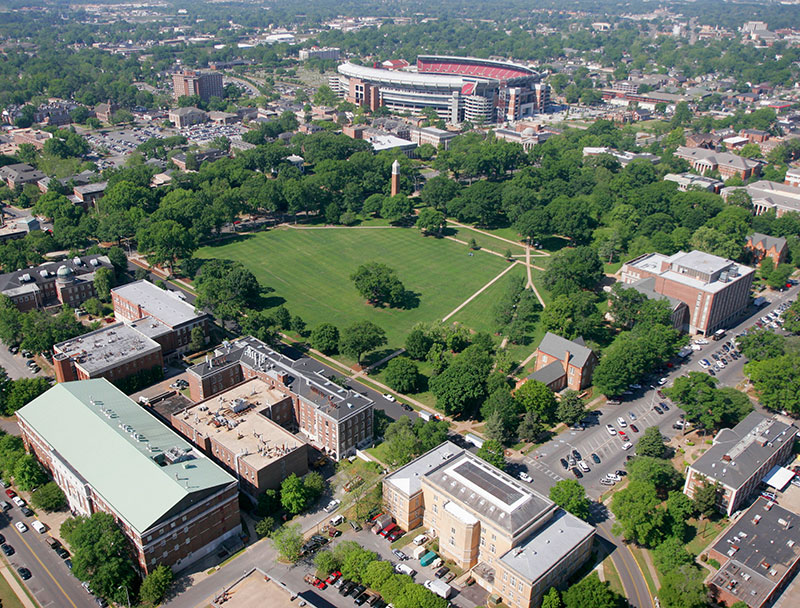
16,588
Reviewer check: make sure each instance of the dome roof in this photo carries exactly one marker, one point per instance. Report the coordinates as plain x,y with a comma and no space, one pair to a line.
64,272
528,131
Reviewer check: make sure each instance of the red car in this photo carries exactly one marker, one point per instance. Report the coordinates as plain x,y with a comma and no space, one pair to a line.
634,428
333,577
622,435
333,532
11,493
388,530
321,585
395,535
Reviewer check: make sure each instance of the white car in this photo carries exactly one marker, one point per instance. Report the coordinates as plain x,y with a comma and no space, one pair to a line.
704,364
525,477
613,477
621,422
702,341
20,526
627,445
389,397
611,430
584,467
331,506
663,381
18,501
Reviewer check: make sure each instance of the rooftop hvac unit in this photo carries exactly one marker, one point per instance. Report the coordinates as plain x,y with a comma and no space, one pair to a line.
94,262
77,261
25,278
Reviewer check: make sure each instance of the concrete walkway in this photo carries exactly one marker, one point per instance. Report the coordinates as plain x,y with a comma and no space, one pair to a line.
480,291
15,587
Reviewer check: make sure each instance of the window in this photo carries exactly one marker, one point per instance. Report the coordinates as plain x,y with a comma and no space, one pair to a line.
452,541
452,530
435,508
491,548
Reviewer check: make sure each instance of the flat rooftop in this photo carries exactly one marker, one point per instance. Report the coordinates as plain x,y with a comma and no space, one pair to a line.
489,493
237,419
739,452
762,546
150,327
408,478
106,348
164,305
696,261
301,376
548,545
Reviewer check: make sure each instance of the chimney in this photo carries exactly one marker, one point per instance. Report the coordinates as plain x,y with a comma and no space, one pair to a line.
566,362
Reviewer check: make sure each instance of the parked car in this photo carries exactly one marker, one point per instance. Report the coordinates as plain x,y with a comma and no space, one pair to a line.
4,483
26,511
564,463
441,572
576,454
18,501
770,496
389,397
611,430
583,466
525,477
356,527
20,526
627,445
24,573
11,493
7,549
632,416
399,555
596,458
332,506
657,409
621,422
576,472
396,534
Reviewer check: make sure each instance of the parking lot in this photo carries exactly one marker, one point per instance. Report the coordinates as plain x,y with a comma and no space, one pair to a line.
124,141
382,547
205,133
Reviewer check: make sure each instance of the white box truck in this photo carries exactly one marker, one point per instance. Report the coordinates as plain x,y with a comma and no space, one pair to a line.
439,587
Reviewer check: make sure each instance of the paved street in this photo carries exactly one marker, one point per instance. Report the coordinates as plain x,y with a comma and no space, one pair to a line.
52,584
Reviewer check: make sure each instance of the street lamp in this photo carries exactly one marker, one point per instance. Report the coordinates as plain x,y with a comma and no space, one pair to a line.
128,597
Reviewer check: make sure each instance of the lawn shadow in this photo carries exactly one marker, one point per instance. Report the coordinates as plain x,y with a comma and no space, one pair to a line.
376,356
239,238
410,300
553,243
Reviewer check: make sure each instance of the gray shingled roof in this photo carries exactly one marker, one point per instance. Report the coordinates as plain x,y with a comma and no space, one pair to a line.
748,445
556,346
549,373
768,241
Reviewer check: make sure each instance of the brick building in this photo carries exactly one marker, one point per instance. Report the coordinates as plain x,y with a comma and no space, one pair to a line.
715,290
159,314
20,174
740,458
186,117
243,430
113,352
760,555
34,137
761,246
769,196
70,283
334,419
562,363
203,84
516,542
107,454
728,165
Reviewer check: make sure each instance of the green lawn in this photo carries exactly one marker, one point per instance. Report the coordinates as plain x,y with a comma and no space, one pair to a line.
310,270
478,313
8,598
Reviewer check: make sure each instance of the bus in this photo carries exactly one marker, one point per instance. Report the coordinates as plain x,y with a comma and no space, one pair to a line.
718,335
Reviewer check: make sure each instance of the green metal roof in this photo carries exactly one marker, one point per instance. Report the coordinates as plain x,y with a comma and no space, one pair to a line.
122,451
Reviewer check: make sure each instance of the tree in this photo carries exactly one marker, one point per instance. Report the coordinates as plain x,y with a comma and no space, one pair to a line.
493,453
100,555
591,592
198,339
671,554
378,284
571,270
397,207
297,325
530,429
651,443
314,485
761,344
571,496
293,494
103,282
709,407
49,498
325,562
496,428
156,584
431,221
439,191
571,408
460,387
417,344
638,518
361,337
552,599
402,375
573,315
28,473
265,526
657,472
683,588
778,278
288,542
325,338
705,499
535,397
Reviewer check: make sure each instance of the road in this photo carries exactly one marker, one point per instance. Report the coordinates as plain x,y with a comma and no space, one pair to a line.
51,583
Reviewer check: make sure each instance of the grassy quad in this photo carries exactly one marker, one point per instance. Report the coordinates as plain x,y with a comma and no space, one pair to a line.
310,270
